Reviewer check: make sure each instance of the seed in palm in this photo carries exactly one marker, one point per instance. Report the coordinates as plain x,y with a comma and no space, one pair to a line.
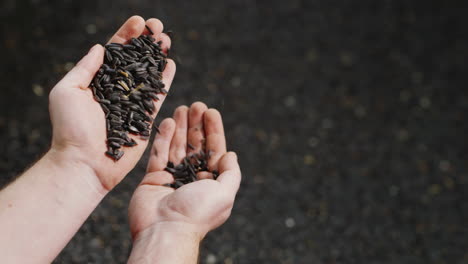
186,171
126,86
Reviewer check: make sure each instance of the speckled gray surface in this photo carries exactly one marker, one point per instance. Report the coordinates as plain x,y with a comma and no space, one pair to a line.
349,118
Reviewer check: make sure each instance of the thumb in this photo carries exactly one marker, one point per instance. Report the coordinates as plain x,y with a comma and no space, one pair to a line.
82,74
230,172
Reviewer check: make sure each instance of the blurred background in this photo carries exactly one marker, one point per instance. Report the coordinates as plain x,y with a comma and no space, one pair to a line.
349,118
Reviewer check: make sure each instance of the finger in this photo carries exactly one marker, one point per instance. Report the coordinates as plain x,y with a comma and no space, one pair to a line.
196,134
132,28
167,78
156,27
160,150
230,175
157,178
82,74
179,140
215,140
165,42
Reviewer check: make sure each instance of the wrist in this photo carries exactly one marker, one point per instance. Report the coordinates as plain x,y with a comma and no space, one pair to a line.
49,203
69,160
167,242
170,230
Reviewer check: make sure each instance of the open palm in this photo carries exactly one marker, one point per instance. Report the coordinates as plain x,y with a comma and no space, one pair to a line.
78,120
204,204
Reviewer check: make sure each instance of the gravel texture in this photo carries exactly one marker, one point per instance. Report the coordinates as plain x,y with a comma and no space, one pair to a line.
349,118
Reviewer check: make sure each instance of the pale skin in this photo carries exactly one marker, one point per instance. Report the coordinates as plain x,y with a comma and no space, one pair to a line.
43,208
159,215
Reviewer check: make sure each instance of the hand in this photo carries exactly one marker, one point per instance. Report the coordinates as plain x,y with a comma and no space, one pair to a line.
197,207
79,132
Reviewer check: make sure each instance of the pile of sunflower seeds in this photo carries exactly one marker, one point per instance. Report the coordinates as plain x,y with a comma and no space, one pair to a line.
186,171
125,86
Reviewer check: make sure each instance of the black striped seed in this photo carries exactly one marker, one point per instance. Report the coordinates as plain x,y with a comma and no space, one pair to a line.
125,86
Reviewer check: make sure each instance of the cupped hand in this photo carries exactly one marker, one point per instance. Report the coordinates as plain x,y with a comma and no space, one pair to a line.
79,132
198,206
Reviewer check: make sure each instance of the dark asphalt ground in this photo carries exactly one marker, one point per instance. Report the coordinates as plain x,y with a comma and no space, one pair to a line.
348,117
